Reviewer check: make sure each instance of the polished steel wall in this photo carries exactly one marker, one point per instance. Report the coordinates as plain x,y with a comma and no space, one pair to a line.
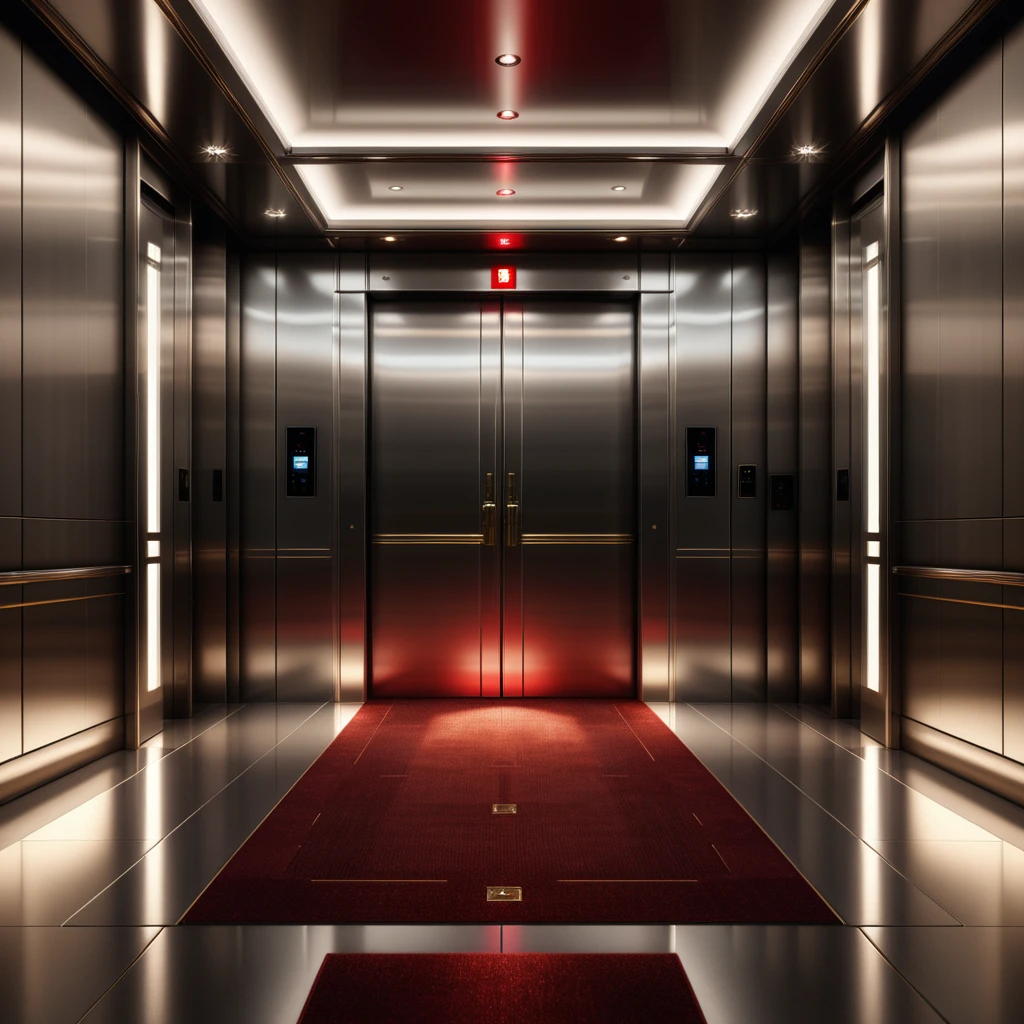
61,413
962,660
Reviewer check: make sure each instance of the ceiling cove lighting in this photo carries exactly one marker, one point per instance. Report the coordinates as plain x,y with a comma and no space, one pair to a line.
505,192
274,213
395,188
618,188
744,213
508,60
621,238
508,115
389,238
215,151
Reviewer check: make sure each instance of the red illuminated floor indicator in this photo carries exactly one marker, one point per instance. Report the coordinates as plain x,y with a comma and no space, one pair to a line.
503,277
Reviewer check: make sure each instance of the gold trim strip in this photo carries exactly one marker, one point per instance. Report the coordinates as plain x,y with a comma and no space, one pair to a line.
22,577
577,538
994,576
58,600
958,600
427,538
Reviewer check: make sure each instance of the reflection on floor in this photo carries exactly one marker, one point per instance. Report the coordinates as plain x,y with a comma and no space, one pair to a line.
927,871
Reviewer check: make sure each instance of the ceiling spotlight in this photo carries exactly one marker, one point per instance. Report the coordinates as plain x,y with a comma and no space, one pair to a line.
508,60
742,213
508,115
273,213
215,151
618,188
809,150
505,192
389,238
395,188
621,238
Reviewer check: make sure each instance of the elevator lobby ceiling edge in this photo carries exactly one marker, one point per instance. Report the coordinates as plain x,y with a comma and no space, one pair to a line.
570,125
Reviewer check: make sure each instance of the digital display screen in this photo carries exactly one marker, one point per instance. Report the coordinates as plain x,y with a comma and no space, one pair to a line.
300,462
701,462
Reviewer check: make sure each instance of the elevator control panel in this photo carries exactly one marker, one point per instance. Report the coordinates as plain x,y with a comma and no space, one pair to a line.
746,481
700,462
783,491
300,471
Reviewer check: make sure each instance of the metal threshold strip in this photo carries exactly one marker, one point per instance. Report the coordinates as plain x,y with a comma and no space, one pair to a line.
23,577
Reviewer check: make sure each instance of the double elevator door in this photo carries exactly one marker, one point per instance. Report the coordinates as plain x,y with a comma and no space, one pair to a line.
502,499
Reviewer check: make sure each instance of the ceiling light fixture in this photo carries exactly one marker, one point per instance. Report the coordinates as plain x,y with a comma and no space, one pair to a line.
508,60
508,115
395,188
215,151
389,238
621,238
618,188
273,213
505,192
808,150
742,214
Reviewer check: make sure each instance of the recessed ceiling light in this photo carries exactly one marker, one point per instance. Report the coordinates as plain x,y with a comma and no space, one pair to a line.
395,188
621,238
508,115
742,213
808,150
505,192
389,238
274,213
215,151
618,188
508,60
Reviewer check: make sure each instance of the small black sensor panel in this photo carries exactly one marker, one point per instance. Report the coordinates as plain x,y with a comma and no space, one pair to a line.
300,471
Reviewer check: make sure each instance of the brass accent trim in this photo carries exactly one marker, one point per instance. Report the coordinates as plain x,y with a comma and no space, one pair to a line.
960,600
59,600
387,881
577,538
504,894
630,880
503,809
23,577
427,538
993,576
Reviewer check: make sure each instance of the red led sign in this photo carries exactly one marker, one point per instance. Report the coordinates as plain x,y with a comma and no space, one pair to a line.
503,277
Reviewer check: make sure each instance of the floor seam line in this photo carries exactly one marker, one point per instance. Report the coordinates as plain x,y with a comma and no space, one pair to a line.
136,959
898,972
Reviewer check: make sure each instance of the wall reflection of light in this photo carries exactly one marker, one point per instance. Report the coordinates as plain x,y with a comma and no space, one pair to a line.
872,896
155,32
870,33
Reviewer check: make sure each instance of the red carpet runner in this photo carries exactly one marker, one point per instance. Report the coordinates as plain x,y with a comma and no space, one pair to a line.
615,821
496,988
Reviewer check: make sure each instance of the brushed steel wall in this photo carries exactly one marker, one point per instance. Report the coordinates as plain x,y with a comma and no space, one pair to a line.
962,356
61,407
720,379
289,546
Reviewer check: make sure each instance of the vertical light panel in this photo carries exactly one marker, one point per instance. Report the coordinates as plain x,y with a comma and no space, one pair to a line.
152,626
872,626
152,388
872,312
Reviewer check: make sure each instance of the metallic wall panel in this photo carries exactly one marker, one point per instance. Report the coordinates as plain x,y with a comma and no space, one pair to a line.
258,482
843,690
536,272
427,473
1013,274
813,496
703,397
782,404
10,276
10,642
306,527
654,532
209,456
352,459
748,515
232,468
512,665
576,493
1013,644
952,300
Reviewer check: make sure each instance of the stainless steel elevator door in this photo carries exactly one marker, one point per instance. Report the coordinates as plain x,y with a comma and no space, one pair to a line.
434,597
503,497
570,444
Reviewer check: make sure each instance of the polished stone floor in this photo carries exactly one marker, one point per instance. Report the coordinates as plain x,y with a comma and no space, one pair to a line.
926,870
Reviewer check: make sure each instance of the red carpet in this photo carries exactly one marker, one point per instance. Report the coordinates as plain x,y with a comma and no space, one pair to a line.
616,822
501,988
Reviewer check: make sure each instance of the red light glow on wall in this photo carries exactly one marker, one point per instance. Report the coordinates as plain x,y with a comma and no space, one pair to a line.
503,277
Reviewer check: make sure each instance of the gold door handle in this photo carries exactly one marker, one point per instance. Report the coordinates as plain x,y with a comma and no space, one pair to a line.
490,519
512,524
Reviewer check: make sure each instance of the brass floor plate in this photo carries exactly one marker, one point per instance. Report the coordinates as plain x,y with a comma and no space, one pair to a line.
504,894
503,808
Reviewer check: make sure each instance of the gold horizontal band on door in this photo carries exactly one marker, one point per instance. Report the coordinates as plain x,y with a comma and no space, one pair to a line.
960,600
427,538
59,600
577,538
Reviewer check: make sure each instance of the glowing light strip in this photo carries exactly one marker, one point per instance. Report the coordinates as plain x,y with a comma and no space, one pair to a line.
152,626
873,626
872,370
153,391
